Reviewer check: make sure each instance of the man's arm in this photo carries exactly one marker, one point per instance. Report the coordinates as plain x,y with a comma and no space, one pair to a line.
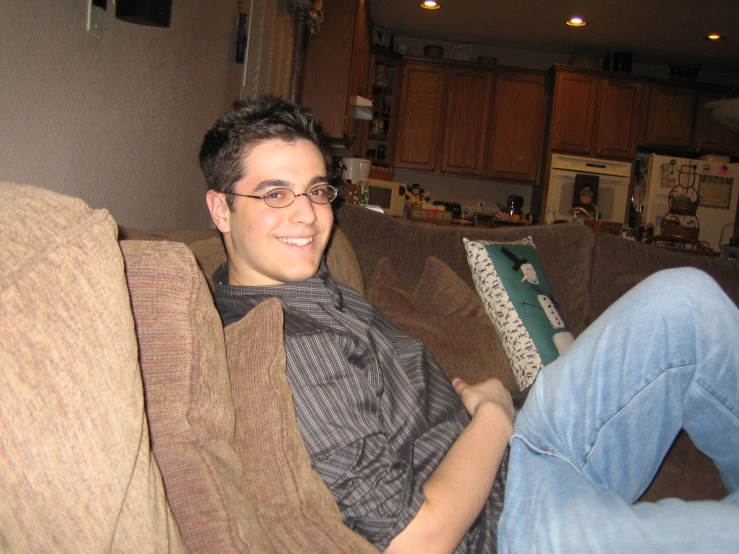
457,490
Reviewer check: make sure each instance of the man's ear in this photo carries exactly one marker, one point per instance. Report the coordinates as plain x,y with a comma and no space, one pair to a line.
219,211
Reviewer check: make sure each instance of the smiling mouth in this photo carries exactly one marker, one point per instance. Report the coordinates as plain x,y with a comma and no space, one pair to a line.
296,241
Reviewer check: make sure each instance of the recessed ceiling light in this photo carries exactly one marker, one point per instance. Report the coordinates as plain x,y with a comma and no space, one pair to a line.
430,5
714,36
576,22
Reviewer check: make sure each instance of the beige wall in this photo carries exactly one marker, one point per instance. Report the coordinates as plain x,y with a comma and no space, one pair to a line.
116,120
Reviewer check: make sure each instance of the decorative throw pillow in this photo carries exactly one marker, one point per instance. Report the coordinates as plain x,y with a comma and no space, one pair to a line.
295,507
517,297
188,399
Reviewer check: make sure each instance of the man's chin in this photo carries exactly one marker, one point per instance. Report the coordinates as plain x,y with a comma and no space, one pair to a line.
298,276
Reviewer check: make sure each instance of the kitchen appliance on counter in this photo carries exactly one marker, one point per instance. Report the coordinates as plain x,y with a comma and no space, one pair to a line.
717,187
587,188
388,195
355,169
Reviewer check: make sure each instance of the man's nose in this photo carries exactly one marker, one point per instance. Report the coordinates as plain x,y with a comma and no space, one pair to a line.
303,209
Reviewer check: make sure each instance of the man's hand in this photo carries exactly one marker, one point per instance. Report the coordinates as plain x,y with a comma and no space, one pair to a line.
491,390
458,488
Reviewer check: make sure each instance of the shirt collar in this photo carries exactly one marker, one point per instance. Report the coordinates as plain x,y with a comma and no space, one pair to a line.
321,288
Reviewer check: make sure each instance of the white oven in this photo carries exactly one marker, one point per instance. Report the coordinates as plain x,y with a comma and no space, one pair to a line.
608,179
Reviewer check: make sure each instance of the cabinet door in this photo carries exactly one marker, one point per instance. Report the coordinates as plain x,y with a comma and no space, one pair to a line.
419,130
709,135
326,85
670,116
516,135
468,100
573,112
618,117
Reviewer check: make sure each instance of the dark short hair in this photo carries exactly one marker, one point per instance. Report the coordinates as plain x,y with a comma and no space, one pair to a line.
248,124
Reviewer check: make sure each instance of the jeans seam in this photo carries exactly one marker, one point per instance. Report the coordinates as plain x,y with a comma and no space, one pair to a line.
538,450
615,414
723,400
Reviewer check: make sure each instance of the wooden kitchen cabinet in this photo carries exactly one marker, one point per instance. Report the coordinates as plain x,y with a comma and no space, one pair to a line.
618,118
467,107
709,135
595,116
443,112
670,116
421,116
517,129
337,67
573,112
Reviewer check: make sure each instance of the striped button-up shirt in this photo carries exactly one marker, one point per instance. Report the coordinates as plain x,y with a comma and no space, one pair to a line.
376,412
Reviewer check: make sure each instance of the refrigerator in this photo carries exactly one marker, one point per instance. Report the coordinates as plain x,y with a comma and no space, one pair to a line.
713,184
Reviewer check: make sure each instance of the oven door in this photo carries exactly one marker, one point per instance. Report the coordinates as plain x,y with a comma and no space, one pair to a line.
613,196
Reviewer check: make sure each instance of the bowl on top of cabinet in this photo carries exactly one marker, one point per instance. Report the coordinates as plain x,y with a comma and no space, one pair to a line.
433,51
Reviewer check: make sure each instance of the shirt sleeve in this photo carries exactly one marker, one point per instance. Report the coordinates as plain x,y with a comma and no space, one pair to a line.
336,390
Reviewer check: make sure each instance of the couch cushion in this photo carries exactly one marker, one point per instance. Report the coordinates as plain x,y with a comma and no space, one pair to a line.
294,505
515,290
76,472
188,398
446,315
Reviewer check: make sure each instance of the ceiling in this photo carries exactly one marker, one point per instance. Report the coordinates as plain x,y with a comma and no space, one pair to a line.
656,32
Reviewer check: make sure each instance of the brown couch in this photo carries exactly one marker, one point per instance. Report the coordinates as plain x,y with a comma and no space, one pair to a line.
130,421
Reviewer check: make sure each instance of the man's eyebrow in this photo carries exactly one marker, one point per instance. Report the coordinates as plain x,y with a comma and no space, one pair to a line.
273,183
279,183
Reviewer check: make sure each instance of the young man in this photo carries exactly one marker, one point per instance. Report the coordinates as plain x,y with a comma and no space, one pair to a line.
417,464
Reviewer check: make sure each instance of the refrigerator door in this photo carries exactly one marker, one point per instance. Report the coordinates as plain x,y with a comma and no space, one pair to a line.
717,184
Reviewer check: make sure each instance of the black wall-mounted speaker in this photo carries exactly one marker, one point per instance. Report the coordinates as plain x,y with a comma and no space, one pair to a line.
144,12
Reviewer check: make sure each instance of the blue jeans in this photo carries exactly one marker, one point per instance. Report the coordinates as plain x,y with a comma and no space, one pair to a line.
599,420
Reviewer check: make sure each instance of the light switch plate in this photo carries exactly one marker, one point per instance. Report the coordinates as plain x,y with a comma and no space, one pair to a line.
95,20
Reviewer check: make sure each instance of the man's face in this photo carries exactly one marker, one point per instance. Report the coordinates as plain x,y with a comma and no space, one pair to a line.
269,246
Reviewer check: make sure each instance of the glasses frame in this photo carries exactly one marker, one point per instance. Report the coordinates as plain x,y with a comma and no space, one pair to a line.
331,189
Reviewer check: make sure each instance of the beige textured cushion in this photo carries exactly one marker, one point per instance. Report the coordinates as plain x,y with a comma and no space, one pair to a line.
295,507
210,255
340,257
76,472
342,261
188,399
447,316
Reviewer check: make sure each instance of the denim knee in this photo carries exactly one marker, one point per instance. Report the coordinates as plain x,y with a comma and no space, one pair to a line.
686,282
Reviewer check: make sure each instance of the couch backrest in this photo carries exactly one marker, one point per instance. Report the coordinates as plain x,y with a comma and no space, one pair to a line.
566,252
620,264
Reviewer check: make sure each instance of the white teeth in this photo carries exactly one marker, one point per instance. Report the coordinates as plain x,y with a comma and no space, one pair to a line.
296,241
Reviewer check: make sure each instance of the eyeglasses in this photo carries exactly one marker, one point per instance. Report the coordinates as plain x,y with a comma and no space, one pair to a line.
282,198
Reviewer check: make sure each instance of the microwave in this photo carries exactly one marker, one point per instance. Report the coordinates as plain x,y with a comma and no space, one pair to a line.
389,195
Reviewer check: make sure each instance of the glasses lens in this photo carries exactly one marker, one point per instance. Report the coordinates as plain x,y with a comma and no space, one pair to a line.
322,194
279,198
